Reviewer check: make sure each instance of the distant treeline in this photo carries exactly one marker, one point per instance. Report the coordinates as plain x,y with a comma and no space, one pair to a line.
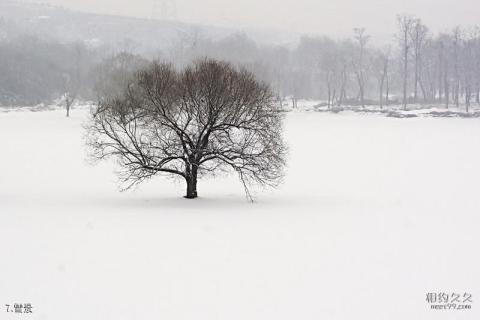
418,66
34,71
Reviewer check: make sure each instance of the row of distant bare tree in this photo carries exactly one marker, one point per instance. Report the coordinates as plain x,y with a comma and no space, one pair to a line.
418,67
445,67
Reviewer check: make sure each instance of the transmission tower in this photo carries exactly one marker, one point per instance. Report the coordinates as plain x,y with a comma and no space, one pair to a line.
164,10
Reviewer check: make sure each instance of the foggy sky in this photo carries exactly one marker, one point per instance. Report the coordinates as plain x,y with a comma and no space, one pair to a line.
333,17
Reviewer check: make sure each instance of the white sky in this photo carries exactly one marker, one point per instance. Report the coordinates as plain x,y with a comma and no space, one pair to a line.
335,17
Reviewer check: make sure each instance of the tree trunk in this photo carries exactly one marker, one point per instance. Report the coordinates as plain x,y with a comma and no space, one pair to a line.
191,180
424,91
381,92
329,97
192,188
468,97
447,90
387,93
415,89
362,96
68,104
405,74
440,74
457,94
343,94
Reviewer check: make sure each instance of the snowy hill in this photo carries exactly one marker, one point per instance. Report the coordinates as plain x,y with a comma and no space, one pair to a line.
142,35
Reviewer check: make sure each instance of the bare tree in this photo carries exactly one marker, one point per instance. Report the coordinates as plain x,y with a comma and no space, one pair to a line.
112,76
468,67
457,36
358,61
381,64
405,24
444,65
343,53
69,101
70,92
330,70
418,34
476,57
210,117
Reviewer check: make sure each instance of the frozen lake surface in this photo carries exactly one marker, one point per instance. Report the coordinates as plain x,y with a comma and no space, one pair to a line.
374,214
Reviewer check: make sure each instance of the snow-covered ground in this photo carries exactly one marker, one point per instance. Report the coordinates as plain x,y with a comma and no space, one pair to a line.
392,110
375,213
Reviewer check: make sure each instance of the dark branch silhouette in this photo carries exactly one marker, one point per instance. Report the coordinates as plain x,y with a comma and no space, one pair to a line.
207,118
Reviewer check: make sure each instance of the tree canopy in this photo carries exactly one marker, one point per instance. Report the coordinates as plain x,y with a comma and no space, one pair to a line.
210,117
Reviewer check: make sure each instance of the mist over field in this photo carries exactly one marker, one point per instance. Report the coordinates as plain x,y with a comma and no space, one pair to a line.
51,51
239,159
335,18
